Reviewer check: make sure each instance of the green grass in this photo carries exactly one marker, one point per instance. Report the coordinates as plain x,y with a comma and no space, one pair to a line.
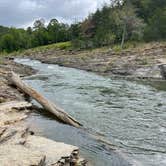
60,46
117,48
63,46
128,46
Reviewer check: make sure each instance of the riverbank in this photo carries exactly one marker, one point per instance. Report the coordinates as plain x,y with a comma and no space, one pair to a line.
18,143
142,61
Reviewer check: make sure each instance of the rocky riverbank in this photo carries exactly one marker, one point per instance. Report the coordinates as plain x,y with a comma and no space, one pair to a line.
145,62
18,143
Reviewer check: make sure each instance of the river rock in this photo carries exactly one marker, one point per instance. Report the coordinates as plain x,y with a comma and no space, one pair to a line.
18,155
54,151
9,118
163,70
148,72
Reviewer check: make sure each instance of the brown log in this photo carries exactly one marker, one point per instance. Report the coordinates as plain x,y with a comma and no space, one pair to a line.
48,105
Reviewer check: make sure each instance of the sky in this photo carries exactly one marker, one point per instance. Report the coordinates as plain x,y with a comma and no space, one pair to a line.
22,13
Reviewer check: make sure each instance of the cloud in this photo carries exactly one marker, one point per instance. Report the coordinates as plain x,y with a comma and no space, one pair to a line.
21,13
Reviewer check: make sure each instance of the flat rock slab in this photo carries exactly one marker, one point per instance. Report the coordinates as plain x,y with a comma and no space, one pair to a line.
14,105
9,118
20,148
17,155
54,151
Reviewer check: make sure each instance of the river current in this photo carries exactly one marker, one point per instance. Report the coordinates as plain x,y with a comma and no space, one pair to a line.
129,114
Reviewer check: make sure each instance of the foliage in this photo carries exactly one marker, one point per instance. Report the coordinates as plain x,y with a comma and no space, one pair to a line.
153,12
12,39
121,22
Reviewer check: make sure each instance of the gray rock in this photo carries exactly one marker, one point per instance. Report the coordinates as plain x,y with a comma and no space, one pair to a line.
163,70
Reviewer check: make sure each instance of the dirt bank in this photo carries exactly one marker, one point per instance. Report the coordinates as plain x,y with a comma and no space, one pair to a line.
145,61
18,143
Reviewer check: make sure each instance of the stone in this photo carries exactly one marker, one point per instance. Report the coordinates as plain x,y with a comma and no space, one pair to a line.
163,70
54,151
18,155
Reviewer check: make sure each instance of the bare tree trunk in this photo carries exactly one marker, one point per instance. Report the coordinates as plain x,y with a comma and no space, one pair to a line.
123,36
49,106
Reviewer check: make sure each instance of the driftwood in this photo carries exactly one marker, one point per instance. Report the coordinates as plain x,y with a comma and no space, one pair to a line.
14,104
49,106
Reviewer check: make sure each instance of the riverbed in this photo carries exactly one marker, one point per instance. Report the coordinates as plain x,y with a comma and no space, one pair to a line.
129,114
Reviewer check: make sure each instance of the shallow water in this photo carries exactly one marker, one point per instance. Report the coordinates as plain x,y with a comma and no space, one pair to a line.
131,115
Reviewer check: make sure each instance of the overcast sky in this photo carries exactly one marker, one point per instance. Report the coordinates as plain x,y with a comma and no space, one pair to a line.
22,13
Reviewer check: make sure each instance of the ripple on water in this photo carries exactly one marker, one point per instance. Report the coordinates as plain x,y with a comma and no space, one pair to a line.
129,114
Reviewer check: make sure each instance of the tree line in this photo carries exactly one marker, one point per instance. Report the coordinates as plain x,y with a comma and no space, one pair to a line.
127,20
13,39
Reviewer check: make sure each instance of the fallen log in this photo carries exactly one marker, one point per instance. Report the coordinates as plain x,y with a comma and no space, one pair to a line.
48,105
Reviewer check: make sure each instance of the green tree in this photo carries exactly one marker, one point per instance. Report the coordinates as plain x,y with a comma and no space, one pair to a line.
7,43
132,25
39,24
53,30
156,28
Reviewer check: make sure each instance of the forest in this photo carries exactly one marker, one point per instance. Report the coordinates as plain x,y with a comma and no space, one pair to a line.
122,21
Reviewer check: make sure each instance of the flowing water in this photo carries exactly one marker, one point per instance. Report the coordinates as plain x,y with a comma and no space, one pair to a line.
131,115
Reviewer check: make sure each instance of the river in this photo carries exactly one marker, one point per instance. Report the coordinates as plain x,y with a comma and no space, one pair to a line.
129,114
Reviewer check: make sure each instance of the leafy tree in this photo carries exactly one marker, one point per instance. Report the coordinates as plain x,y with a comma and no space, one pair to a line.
156,28
3,30
39,24
132,25
7,43
153,14
53,29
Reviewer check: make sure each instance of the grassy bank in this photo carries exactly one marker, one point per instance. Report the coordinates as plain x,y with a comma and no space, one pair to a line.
67,46
56,46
